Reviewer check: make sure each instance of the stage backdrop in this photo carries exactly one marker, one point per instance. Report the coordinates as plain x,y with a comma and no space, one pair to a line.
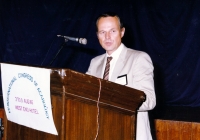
169,31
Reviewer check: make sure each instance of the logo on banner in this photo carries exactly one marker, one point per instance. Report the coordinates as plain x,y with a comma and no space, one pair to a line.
26,101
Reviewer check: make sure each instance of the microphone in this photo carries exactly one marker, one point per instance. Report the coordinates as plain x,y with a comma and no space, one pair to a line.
80,40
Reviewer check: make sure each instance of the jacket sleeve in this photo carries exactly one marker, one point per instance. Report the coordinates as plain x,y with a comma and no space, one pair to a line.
143,80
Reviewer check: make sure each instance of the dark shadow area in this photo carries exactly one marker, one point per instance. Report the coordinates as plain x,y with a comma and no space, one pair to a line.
128,38
158,111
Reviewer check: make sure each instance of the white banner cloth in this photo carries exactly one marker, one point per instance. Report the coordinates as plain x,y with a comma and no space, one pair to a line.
26,94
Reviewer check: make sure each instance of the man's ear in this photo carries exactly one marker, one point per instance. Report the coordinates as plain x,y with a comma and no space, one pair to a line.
97,34
122,31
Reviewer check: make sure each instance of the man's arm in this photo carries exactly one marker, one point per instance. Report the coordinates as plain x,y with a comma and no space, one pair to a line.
143,80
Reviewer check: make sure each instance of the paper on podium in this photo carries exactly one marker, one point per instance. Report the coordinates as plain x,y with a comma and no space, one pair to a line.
26,94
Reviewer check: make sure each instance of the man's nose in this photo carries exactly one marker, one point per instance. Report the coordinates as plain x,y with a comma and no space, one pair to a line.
107,35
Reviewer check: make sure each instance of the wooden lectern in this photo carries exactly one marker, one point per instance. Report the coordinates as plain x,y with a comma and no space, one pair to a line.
77,113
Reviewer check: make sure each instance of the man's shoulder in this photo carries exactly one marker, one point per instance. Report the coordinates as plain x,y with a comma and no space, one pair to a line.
135,52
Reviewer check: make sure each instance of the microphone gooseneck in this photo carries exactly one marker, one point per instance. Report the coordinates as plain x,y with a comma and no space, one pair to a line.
80,40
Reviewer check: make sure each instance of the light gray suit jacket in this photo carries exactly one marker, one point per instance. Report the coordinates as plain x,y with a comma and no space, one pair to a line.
137,65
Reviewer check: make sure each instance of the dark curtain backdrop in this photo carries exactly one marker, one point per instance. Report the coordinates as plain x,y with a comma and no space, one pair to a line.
168,31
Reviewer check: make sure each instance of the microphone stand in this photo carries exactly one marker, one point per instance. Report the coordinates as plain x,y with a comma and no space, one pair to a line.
63,44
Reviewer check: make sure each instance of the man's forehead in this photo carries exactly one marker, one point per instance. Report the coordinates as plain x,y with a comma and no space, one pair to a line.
107,22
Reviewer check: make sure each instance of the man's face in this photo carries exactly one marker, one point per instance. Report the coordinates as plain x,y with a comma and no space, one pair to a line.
109,33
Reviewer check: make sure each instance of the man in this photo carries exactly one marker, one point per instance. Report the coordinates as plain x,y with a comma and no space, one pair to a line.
135,65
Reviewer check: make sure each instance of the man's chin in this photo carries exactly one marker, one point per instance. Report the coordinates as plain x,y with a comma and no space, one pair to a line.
108,48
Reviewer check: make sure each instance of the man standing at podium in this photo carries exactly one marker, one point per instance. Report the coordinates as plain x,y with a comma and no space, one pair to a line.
124,66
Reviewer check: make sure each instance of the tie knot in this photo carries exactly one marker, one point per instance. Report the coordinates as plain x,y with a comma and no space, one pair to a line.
109,59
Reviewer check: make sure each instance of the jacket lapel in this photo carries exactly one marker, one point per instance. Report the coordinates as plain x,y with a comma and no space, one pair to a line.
119,65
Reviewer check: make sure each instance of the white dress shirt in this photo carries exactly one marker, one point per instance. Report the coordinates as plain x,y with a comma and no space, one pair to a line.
115,56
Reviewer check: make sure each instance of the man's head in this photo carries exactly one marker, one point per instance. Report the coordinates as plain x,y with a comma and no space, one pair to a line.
109,32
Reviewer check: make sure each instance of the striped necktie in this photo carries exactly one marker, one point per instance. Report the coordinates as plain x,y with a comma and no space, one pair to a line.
107,68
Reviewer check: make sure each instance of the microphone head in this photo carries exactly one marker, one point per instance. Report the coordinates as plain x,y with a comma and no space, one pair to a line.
59,36
83,41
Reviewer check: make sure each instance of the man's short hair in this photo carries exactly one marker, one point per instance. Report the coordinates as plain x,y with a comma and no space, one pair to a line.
109,15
